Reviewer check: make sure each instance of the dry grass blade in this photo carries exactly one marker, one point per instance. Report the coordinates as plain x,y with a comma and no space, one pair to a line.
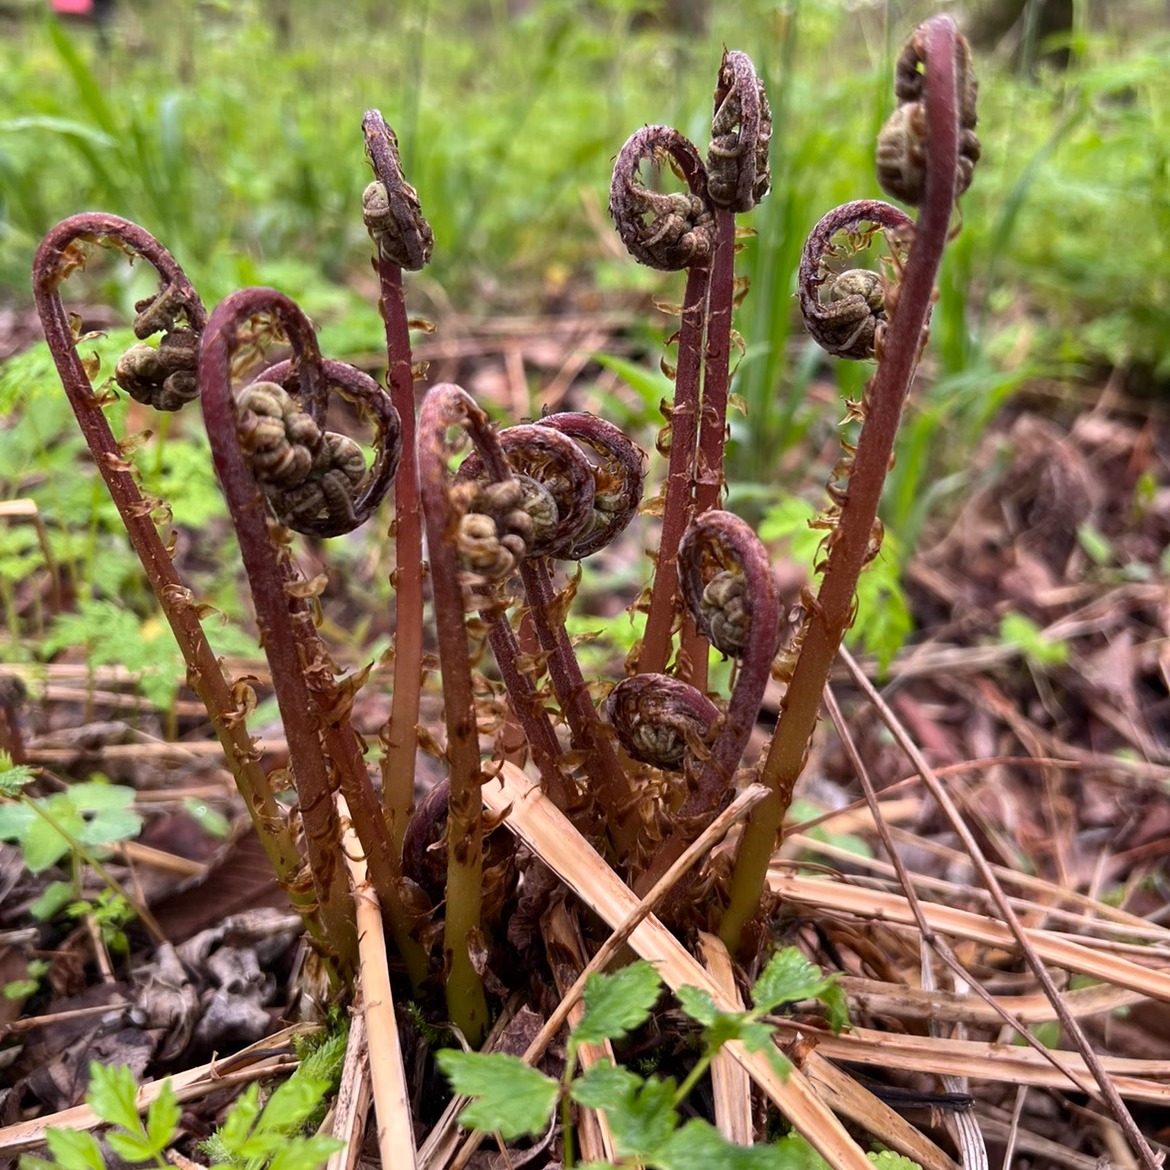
730,1084
352,1109
840,898
1139,1080
1107,921
914,1003
1094,1066
856,1102
391,1098
552,837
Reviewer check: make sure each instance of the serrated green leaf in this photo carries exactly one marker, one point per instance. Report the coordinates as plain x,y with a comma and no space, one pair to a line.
756,1037
888,1160
110,827
131,1147
13,777
306,1153
75,1149
162,1117
837,1004
95,795
42,845
699,1145
510,1096
20,989
291,1103
239,1121
616,1004
697,1004
604,1086
15,820
30,1162
644,1119
113,1095
788,978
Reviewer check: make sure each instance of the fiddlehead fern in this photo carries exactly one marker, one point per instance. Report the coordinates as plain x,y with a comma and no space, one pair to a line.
665,230
741,131
279,425
670,232
729,589
447,406
935,70
661,720
902,143
402,239
390,205
316,480
619,475
846,312
556,484
695,228
162,377
63,251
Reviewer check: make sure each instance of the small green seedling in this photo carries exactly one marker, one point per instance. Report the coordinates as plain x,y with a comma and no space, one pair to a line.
512,1098
85,818
113,1096
255,1138
1040,652
251,1138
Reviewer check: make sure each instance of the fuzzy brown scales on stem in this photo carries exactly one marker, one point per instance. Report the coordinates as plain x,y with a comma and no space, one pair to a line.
729,589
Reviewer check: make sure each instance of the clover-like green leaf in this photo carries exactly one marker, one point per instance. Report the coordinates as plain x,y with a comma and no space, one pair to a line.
788,978
616,1004
509,1096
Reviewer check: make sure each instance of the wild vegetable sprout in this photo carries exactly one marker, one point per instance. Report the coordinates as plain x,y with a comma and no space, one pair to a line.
490,522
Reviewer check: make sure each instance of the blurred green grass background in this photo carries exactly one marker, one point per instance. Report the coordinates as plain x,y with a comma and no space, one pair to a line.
232,132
